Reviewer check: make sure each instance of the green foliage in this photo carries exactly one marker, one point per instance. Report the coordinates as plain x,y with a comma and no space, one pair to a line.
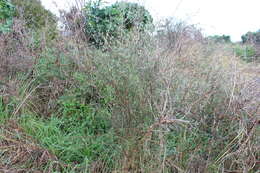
220,38
110,22
6,109
88,105
251,37
2,111
6,16
69,138
245,52
36,16
80,130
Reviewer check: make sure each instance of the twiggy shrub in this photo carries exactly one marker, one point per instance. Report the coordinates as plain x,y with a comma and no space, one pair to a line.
36,17
144,106
144,103
16,55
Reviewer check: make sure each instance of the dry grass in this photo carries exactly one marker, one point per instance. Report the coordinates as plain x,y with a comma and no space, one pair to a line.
20,152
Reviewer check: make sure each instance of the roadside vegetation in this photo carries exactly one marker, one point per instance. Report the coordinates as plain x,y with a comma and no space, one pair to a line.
116,93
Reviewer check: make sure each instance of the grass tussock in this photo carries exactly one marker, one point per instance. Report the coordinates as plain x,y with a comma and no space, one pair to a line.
168,103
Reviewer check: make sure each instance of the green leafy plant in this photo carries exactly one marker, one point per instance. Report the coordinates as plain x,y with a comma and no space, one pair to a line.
6,16
246,52
36,17
110,22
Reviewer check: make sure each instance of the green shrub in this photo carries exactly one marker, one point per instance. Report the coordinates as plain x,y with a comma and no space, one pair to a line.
6,16
111,21
79,130
246,52
36,17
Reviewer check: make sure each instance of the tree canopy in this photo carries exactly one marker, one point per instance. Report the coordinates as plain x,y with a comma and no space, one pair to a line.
34,14
251,37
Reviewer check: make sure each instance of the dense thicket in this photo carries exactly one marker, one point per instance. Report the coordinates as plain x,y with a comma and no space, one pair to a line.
34,14
105,23
166,103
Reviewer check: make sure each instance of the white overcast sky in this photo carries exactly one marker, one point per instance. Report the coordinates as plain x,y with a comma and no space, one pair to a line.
229,17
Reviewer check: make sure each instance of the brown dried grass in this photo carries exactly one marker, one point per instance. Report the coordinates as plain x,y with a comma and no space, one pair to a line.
19,152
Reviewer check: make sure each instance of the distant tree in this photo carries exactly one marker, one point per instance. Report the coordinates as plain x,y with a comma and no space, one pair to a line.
251,37
220,38
35,15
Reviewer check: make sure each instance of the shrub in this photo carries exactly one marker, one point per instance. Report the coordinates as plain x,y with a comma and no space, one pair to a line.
111,21
251,37
246,52
36,17
73,20
76,111
6,16
15,55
